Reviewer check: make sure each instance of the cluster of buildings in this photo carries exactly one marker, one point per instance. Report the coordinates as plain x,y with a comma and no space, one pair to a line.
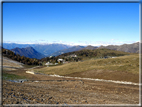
60,60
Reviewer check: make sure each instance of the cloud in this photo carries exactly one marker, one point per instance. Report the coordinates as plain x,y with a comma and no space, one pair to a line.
82,43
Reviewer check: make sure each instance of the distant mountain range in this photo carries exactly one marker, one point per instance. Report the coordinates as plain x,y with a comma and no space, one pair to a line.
28,52
74,48
49,49
131,48
46,49
39,51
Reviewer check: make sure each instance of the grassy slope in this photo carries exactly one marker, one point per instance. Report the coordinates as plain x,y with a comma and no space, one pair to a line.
124,68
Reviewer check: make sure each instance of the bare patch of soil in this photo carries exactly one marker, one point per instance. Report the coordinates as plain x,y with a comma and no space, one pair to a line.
41,89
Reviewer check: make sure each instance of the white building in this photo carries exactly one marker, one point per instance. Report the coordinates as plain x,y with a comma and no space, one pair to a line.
60,60
48,63
73,55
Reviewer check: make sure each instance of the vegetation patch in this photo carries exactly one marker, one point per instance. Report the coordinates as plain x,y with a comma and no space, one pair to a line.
7,76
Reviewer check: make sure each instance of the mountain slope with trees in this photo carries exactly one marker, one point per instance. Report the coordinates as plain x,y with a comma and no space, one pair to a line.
85,55
96,53
21,59
28,52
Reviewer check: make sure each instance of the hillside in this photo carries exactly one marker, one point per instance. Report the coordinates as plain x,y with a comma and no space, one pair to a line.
9,64
123,68
85,55
132,48
28,52
22,59
97,53
74,48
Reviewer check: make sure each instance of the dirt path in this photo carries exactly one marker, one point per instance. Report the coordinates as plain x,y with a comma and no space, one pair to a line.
103,80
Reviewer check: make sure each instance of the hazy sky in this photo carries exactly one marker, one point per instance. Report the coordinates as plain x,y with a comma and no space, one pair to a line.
71,23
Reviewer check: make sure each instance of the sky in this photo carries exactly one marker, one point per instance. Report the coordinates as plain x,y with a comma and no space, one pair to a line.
71,23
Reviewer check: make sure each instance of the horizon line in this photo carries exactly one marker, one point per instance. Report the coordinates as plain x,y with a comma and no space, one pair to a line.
72,44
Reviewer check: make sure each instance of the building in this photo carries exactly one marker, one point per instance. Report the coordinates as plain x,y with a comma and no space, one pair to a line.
73,55
48,63
60,60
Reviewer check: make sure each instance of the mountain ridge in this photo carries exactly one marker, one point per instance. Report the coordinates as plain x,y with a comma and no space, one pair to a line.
58,49
28,52
90,47
132,48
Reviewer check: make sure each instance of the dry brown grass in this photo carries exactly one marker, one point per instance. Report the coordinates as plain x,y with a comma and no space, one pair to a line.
125,66
124,63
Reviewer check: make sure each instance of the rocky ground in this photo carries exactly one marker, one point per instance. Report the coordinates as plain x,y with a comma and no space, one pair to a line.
54,90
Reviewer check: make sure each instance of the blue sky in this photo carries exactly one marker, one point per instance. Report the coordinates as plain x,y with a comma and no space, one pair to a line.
71,23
